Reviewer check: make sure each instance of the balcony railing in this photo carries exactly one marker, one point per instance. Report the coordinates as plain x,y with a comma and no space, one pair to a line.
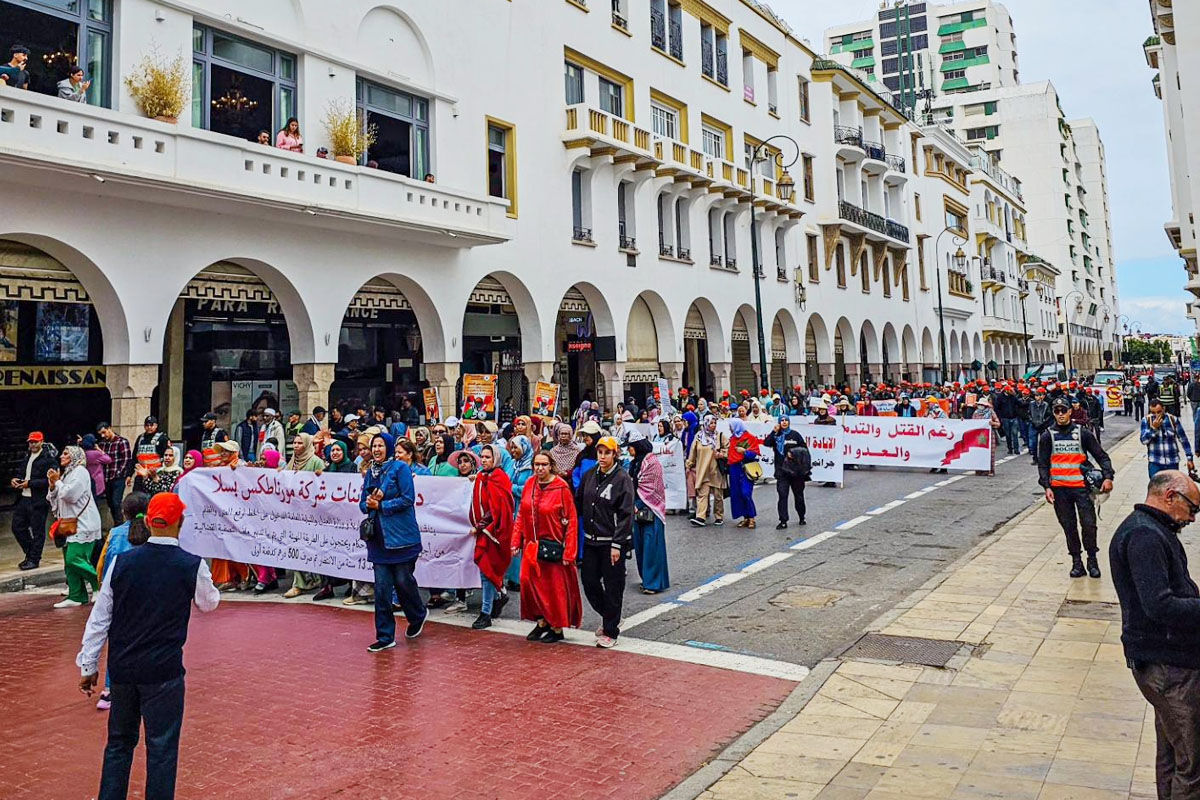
874,150
666,250
867,219
773,108
684,254
715,260
625,242
36,130
707,63
582,235
618,20
846,135
896,163
676,40
730,262
658,29
1023,286
722,68
781,273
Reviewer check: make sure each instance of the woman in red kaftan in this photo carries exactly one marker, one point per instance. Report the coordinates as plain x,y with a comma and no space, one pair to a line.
549,590
492,519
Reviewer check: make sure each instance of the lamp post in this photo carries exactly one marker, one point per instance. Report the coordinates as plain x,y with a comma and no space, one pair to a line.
1100,340
1067,328
960,260
785,186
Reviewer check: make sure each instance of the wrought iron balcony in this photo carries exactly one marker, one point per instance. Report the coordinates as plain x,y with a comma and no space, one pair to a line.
1023,286
627,242
617,19
846,135
658,29
684,254
781,272
676,40
867,219
730,262
666,250
896,163
582,235
707,63
875,150
897,231
715,260
722,68
774,109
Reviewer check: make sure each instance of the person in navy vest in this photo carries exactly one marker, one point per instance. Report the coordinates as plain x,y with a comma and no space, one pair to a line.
143,609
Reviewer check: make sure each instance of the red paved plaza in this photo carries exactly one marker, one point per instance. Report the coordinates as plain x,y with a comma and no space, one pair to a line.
284,701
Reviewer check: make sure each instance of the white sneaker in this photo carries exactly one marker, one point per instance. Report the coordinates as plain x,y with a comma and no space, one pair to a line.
68,603
605,641
457,607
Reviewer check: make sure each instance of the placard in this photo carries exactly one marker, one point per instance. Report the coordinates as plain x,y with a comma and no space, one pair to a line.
545,399
433,405
918,442
479,397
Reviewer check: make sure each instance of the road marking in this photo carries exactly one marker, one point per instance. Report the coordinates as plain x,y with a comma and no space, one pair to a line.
648,614
874,512
1005,460
711,586
766,561
811,541
955,479
850,523
919,493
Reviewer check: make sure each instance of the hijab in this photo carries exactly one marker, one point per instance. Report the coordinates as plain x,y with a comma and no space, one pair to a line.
470,457
448,445
303,456
469,432
525,462
736,427
376,468
706,435
641,448
563,455
347,462
271,458
689,433
76,456
197,460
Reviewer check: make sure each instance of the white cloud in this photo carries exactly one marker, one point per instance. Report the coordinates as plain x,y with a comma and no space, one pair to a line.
1159,314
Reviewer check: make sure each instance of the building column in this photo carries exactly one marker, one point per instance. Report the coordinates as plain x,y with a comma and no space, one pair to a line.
853,378
312,385
825,372
795,374
539,371
916,371
130,386
170,395
443,376
673,372
613,373
721,372
876,369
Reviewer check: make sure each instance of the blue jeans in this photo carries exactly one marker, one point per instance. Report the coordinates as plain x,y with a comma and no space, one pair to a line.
160,706
1196,423
1157,468
396,578
1029,434
490,593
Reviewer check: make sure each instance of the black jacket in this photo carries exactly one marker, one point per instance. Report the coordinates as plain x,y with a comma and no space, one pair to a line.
1005,405
784,466
1160,603
1087,439
38,484
605,507
1193,392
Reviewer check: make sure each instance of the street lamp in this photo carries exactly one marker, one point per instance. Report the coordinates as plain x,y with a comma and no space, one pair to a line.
960,261
1067,328
785,186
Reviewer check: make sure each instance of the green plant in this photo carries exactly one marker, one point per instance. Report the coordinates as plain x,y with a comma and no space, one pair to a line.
348,136
161,88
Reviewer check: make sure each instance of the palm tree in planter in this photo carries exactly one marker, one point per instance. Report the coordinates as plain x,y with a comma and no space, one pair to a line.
349,136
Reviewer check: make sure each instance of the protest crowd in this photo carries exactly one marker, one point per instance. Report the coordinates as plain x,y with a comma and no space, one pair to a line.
557,504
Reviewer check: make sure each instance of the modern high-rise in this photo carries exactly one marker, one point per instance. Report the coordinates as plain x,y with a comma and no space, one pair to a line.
1174,50
921,50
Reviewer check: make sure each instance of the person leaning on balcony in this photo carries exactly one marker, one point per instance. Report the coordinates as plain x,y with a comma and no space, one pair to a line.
13,74
289,137
264,137
74,87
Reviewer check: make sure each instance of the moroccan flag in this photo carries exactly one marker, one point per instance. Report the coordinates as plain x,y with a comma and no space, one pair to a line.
978,438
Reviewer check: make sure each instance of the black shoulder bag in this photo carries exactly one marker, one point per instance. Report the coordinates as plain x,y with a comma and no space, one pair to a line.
548,550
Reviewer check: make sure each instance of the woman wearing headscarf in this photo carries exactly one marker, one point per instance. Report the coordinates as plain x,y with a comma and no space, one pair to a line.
165,478
304,459
439,465
389,500
743,449
491,517
650,514
424,442
522,452
708,449
523,426
581,416
97,459
191,460
549,588
70,497
565,450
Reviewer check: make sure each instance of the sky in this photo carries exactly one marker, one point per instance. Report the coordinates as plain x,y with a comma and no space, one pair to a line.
1094,59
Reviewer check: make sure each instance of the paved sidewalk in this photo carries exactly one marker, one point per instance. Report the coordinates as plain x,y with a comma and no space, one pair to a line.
1039,703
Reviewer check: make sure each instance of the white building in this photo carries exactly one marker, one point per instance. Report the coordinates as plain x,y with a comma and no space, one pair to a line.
928,49
1174,51
589,223
1023,128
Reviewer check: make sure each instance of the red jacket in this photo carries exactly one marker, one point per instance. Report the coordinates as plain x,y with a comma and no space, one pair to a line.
553,517
492,517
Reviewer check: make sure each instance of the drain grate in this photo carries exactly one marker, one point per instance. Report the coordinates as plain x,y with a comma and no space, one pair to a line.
904,649
1090,609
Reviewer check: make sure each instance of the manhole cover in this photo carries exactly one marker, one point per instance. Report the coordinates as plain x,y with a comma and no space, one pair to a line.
1090,609
807,597
904,649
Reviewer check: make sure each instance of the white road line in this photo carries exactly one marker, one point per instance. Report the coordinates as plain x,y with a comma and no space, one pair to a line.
955,479
766,561
1005,459
874,512
850,523
814,540
919,493
648,614
712,586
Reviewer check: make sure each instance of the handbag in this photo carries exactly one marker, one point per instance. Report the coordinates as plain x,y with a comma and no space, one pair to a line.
367,528
549,551
66,526
644,514
753,471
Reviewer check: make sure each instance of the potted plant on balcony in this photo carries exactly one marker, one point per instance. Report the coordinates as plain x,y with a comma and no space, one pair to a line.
160,87
349,137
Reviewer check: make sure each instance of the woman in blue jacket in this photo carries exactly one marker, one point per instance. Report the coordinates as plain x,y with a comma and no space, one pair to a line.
388,499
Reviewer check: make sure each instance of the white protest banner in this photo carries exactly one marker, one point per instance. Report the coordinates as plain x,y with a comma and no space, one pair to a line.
825,446
917,442
309,522
672,457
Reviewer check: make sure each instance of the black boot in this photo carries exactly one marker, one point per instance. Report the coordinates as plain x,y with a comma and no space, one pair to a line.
1093,569
1076,567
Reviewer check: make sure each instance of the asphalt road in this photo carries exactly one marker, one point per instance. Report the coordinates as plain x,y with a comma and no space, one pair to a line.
818,600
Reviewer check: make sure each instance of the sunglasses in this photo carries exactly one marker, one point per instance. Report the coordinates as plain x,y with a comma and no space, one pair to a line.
1195,509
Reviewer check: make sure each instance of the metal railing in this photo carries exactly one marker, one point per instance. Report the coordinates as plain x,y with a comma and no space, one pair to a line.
626,242
666,250
846,135
722,68
582,235
617,18
774,109
897,231
994,275
867,219
707,62
658,29
684,254
781,272
676,39
730,262
715,260
874,150
896,163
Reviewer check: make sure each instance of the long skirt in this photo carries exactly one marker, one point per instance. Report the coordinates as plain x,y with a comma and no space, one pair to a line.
549,591
741,493
226,571
650,549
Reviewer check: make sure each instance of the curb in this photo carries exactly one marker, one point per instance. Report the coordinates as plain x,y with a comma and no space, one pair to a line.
33,579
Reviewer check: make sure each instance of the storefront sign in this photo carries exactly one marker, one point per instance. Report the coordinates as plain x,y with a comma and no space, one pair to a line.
579,347
479,397
51,378
301,521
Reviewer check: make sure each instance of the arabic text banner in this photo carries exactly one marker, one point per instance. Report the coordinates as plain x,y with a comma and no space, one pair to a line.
917,442
302,521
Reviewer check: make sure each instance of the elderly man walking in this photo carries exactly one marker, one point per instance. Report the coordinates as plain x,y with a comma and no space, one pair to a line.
1160,614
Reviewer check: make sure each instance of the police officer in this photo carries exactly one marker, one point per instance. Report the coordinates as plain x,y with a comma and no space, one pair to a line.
148,450
1062,450
210,438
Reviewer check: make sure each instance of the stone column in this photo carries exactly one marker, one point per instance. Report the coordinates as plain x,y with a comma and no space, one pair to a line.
539,371
443,376
915,371
795,374
130,386
825,372
721,372
673,372
613,373
876,369
853,378
312,386
170,394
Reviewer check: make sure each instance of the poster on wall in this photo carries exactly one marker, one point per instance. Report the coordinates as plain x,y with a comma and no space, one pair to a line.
289,399
545,399
8,330
222,405
479,396
62,332
433,405
240,398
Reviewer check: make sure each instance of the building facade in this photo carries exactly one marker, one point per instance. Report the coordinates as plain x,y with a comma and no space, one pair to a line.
571,203
1174,51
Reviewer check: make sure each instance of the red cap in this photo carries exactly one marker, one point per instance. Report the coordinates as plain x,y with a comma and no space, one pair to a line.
36,436
165,510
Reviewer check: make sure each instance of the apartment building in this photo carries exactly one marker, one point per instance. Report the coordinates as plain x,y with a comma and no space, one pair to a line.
1174,52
